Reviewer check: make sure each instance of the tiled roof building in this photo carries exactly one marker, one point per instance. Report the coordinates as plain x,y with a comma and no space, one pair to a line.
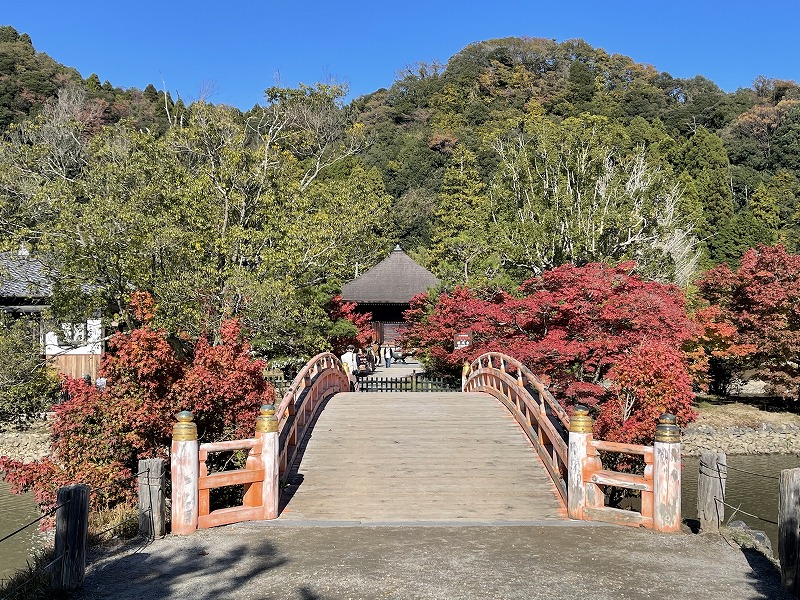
24,287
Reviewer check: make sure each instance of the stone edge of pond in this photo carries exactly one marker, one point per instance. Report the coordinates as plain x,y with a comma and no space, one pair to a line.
766,439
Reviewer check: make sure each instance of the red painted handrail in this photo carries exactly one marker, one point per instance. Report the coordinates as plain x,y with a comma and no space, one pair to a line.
509,381
490,373
317,381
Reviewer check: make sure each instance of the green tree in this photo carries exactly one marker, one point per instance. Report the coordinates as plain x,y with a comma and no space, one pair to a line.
28,385
703,157
764,207
461,248
742,232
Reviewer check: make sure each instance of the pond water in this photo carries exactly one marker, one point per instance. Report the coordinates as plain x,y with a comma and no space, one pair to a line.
755,494
16,511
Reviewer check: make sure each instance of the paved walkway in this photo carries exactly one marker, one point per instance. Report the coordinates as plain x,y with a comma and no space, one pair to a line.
422,457
561,561
397,369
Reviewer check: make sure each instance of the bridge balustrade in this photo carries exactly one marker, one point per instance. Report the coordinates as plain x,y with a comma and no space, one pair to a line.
270,453
322,377
573,458
542,419
565,444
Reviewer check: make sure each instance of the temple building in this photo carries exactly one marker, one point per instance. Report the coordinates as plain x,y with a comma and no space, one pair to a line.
386,290
74,349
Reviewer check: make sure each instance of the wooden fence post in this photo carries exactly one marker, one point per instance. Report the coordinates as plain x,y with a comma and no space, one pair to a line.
667,475
789,530
185,468
711,478
152,498
267,435
580,436
72,522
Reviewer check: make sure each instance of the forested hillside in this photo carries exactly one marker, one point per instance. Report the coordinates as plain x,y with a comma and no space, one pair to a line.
515,157
531,125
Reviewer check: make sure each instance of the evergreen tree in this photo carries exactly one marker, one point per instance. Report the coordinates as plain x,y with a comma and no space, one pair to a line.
703,158
764,207
461,239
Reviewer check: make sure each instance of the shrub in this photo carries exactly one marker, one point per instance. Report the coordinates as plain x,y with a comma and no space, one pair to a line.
98,437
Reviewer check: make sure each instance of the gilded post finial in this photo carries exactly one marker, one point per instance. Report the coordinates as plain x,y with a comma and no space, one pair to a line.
667,430
185,430
580,422
267,422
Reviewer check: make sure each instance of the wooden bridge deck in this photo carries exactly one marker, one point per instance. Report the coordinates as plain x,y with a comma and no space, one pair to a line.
411,457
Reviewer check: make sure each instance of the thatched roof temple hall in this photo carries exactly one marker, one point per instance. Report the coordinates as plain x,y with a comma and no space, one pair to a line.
386,289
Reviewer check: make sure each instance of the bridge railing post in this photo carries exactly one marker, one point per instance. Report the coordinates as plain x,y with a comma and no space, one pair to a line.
185,469
580,437
267,436
667,475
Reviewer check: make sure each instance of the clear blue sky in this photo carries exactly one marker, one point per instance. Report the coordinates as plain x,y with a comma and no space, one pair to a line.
237,49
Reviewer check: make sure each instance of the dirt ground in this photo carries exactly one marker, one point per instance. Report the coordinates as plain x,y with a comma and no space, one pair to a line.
721,415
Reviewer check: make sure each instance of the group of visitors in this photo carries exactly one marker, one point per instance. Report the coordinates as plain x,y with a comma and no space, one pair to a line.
354,361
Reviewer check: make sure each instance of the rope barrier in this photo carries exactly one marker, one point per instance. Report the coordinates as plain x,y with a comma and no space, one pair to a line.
722,470
713,472
44,516
753,473
738,509
53,510
15,592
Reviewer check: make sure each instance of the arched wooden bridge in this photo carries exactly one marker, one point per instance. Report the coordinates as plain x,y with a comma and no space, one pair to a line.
503,450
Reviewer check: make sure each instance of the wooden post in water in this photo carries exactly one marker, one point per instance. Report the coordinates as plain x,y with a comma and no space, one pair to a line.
267,435
667,475
713,473
152,498
185,474
789,530
72,522
580,436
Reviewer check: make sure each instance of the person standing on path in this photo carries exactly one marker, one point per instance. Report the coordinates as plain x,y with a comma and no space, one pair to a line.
387,356
350,363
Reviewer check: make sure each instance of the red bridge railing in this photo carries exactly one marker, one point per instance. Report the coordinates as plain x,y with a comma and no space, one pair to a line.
541,417
270,453
573,458
566,446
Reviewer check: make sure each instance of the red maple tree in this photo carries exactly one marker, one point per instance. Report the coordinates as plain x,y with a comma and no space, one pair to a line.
99,436
359,332
761,299
571,326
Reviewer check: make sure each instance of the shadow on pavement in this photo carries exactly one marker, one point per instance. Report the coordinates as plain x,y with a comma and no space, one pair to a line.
181,568
766,577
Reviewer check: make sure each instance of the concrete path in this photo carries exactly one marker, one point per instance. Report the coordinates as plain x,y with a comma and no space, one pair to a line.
401,457
561,561
397,369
